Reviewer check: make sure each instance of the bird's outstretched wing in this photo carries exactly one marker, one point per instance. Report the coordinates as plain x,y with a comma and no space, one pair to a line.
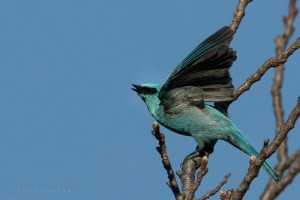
206,67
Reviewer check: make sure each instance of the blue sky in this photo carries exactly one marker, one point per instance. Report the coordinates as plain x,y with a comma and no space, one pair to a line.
71,128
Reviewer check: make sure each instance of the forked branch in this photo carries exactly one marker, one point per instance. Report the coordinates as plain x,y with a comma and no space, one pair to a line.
266,152
271,62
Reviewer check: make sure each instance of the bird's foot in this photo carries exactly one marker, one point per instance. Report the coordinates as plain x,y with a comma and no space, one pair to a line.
199,153
192,156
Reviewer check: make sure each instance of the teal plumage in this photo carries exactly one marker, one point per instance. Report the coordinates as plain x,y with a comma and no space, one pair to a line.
202,76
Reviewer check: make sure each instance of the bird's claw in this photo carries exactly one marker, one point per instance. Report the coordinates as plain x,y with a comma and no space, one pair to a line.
190,156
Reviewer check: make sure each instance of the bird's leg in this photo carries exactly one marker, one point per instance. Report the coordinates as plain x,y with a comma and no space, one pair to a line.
197,153
192,155
209,147
204,150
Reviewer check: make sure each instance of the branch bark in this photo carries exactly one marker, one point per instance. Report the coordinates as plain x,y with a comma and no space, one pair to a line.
162,150
271,62
239,14
214,191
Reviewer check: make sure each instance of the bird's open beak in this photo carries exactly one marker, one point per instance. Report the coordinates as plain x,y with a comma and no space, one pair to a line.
137,88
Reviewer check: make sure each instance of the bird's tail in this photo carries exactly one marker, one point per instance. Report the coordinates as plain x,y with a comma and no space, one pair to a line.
270,171
249,149
242,143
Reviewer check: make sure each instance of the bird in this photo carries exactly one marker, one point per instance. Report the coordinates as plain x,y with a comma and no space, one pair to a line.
182,103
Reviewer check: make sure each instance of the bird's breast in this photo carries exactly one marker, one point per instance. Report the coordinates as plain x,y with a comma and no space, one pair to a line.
191,120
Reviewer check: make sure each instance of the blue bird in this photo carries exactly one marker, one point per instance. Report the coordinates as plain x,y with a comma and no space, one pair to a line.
203,76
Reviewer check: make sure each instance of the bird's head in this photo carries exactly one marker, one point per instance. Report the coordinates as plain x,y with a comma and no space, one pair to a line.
149,94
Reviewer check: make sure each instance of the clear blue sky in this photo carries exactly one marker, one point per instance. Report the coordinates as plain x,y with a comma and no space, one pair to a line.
72,129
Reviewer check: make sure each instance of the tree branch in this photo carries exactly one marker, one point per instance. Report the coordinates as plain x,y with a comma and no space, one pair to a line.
187,175
284,162
266,152
286,180
162,150
227,195
290,123
214,191
239,14
287,163
271,62
281,42
255,165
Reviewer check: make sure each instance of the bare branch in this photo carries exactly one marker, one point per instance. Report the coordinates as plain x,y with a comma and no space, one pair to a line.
281,42
295,156
239,14
285,181
214,191
162,149
255,165
266,152
187,175
273,189
272,62
227,195
290,123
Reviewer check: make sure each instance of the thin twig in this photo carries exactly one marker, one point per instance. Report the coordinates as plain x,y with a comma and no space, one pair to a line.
288,162
227,195
214,191
277,103
239,14
271,62
162,149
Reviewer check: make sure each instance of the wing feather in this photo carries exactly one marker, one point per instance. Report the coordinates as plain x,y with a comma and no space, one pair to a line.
206,67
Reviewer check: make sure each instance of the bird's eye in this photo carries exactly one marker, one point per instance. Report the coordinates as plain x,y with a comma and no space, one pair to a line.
149,90
153,90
